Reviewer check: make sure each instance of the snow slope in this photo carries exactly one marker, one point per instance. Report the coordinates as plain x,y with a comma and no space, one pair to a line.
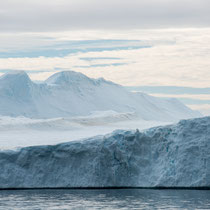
170,156
70,94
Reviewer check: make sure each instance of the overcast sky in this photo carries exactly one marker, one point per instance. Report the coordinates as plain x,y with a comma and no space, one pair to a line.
130,42
55,15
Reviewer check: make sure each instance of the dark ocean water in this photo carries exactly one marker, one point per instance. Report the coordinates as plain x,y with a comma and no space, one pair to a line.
105,199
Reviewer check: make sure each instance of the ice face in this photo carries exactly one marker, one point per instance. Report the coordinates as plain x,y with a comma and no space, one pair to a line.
169,156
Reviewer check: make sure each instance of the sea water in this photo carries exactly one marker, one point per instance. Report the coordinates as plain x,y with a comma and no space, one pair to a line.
105,199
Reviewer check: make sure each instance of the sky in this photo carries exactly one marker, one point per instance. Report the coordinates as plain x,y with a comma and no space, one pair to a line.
59,15
130,42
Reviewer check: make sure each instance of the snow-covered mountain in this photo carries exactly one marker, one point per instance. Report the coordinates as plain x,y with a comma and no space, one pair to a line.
170,156
70,94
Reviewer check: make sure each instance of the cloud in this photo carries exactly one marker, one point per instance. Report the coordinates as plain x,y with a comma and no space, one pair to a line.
203,108
203,97
39,15
177,57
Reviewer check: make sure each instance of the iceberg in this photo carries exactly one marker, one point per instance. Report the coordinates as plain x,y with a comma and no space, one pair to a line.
175,155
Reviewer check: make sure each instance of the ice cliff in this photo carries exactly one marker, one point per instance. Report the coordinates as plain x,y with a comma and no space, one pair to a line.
70,94
170,156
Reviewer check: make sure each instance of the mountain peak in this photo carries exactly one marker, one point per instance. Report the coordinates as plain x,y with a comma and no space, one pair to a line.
13,76
16,85
67,77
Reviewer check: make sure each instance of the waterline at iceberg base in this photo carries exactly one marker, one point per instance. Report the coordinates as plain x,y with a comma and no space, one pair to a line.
170,156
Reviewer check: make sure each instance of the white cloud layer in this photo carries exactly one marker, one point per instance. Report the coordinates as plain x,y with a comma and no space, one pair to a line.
178,57
190,96
202,108
48,15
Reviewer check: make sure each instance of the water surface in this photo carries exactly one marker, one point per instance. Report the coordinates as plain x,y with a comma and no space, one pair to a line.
105,199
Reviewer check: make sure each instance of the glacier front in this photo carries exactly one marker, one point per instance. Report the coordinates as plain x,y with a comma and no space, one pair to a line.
175,155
